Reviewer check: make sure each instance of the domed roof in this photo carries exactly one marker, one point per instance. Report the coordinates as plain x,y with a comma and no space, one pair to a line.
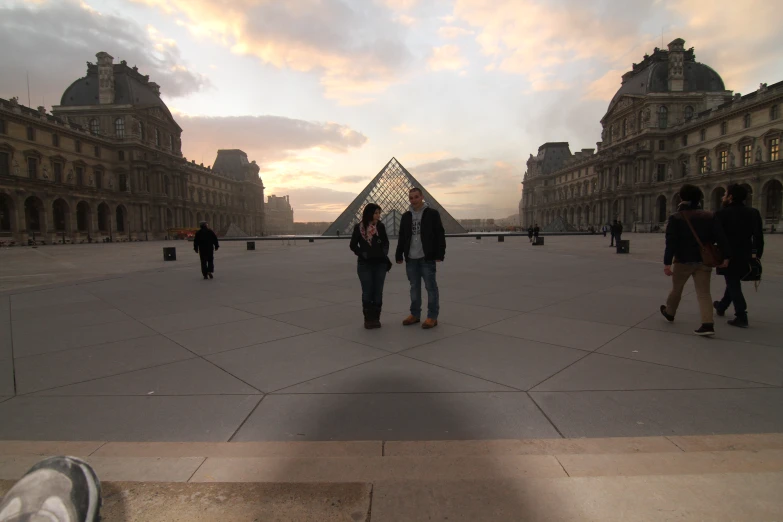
652,75
130,88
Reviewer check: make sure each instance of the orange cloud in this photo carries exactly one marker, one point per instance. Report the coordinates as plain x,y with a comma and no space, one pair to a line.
447,57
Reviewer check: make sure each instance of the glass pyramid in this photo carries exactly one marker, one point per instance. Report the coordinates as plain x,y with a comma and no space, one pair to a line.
389,189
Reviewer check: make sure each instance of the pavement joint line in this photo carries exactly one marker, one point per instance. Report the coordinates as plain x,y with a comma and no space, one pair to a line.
561,465
278,390
715,338
559,371
156,334
93,452
260,400
461,372
546,416
674,442
204,459
248,345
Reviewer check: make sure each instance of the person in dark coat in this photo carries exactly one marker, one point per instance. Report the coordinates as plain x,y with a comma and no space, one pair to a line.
371,245
743,229
203,242
530,233
422,244
536,230
682,259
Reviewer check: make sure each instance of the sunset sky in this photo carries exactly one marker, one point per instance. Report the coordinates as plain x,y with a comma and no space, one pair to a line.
322,93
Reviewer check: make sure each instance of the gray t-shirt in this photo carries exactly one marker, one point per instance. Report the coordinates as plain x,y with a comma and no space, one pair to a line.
416,250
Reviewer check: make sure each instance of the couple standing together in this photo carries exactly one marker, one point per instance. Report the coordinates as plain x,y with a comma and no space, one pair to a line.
421,244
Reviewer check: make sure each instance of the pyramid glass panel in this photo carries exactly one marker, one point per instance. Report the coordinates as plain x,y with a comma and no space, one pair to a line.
389,189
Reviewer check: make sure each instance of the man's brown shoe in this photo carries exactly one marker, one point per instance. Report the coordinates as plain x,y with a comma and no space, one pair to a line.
410,320
429,323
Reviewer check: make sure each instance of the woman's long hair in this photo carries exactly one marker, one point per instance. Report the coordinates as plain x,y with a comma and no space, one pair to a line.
368,213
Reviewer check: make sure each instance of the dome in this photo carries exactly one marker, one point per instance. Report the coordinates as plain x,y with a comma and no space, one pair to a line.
652,75
130,88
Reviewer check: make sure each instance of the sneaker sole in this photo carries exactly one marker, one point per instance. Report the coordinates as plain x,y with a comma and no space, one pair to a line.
704,334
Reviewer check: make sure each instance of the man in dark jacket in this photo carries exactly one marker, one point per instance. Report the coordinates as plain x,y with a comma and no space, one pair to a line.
682,258
422,243
203,242
743,229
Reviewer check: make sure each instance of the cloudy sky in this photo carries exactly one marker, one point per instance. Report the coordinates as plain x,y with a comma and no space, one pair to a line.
322,93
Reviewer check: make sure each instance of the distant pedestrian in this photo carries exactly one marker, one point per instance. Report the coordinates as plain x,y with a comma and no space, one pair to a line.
743,229
687,230
536,230
530,233
422,243
615,230
203,242
371,246
604,229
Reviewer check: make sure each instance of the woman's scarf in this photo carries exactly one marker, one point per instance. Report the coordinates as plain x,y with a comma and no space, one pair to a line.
368,232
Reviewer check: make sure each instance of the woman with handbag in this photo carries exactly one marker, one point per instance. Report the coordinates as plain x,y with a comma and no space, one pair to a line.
691,253
371,245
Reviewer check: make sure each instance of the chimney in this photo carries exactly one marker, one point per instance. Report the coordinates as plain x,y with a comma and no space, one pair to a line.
105,78
677,65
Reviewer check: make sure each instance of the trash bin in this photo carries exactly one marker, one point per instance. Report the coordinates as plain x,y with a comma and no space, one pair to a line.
251,245
169,253
623,246
478,237
312,240
501,239
538,241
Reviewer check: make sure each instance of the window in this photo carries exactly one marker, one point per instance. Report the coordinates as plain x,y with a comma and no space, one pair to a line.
157,137
171,142
688,112
121,155
703,134
774,114
774,149
30,133
684,168
724,128
98,179
663,117
119,127
79,176
95,127
147,182
747,155
143,132
639,122
746,121
77,145
625,128
123,183
58,172
5,168
661,172
684,140
724,159
32,168
702,164
661,144
2,126
55,140
97,151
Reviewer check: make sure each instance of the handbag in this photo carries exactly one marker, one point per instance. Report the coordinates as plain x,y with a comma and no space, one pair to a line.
754,271
711,255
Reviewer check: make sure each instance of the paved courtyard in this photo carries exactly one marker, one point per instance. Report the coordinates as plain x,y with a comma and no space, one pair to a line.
563,340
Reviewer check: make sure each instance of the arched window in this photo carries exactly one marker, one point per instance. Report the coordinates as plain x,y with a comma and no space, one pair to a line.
119,127
95,127
663,117
688,112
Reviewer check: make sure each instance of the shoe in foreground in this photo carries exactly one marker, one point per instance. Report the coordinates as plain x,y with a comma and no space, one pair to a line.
738,322
429,323
57,489
718,310
668,317
410,320
706,329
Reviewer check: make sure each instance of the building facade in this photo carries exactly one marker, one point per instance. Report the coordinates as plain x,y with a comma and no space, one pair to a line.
107,164
279,216
671,122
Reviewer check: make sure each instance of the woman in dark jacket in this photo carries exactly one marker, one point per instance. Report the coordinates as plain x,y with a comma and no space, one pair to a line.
371,246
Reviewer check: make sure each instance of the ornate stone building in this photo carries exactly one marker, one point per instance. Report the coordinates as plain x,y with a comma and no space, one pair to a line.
107,163
671,122
278,216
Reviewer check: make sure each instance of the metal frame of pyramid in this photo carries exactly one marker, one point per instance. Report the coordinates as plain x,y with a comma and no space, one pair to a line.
390,189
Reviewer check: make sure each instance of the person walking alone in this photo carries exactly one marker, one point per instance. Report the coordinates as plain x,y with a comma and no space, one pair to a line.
371,245
688,229
536,230
743,229
203,242
422,243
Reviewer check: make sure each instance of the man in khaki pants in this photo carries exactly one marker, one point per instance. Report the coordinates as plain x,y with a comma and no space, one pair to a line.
682,259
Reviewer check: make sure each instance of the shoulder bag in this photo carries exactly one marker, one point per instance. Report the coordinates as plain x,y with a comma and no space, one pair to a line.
711,255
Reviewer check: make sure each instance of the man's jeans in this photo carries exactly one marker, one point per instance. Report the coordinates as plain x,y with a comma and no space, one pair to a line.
734,295
207,262
372,276
418,269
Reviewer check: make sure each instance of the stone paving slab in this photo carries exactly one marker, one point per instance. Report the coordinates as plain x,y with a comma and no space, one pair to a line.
512,316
